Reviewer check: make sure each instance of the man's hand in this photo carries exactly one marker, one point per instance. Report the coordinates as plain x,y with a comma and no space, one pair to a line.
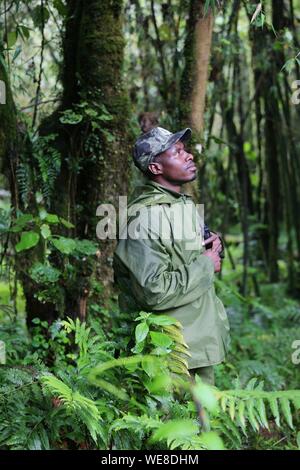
214,252
222,250
216,242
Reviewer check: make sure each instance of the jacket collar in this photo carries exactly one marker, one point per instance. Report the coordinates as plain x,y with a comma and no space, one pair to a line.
167,190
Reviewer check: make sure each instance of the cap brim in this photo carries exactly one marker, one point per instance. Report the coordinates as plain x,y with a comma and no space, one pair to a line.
183,135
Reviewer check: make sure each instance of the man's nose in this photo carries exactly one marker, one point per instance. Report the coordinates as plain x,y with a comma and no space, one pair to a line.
189,156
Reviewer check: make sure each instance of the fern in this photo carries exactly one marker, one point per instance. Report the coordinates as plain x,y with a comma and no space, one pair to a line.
127,362
76,404
267,372
160,431
229,429
20,427
49,162
253,405
172,340
24,179
204,441
138,424
177,361
91,346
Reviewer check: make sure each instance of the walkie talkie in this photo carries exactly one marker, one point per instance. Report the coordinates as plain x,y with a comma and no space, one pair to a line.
207,234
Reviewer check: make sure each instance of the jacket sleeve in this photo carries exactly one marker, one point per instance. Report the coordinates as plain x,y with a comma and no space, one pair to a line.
154,283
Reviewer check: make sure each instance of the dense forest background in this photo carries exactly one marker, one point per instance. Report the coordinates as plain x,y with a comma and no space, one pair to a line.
79,81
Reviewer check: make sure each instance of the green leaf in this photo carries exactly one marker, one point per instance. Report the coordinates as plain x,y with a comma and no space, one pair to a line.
141,332
20,222
64,245
158,351
165,32
40,16
12,37
224,401
44,439
39,197
44,273
17,53
91,112
251,384
138,348
52,218
86,247
275,410
150,366
24,31
256,13
232,408
160,339
174,430
209,4
28,240
43,214
60,7
66,223
70,117
289,65
160,385
250,406
260,406
45,231
286,408
162,320
211,441
241,414
35,443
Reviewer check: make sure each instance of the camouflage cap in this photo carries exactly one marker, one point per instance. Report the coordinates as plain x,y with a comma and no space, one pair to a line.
156,141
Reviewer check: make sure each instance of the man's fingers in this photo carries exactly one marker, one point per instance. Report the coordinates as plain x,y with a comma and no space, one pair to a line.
217,247
209,240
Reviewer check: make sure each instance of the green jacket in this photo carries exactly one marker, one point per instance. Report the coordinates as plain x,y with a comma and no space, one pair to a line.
164,271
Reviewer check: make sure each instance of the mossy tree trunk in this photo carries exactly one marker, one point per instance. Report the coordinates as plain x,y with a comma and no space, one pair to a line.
8,127
94,151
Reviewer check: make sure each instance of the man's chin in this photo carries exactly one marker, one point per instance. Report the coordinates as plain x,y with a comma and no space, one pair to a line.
191,178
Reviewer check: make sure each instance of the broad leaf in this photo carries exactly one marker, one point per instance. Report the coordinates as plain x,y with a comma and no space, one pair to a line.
28,240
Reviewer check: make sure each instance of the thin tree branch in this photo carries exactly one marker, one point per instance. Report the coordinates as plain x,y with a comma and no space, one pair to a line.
6,10
39,103
38,90
160,52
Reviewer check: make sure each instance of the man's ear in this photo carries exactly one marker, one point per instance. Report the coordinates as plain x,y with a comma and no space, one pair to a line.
155,168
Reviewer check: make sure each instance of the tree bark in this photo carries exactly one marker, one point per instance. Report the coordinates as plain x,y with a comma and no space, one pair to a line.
8,128
94,154
195,75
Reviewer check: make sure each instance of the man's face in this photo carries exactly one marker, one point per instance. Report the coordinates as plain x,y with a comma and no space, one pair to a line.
175,165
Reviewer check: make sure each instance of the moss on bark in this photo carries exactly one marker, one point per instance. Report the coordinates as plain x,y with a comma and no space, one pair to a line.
8,126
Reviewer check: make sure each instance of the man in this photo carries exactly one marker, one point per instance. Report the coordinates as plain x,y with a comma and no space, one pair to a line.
163,266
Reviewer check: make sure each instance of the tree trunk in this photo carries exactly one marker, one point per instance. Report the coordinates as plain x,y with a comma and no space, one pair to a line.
195,75
94,151
8,128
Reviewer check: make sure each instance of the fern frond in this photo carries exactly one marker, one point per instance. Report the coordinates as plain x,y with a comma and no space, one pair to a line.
75,403
177,361
23,174
253,405
138,424
49,161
